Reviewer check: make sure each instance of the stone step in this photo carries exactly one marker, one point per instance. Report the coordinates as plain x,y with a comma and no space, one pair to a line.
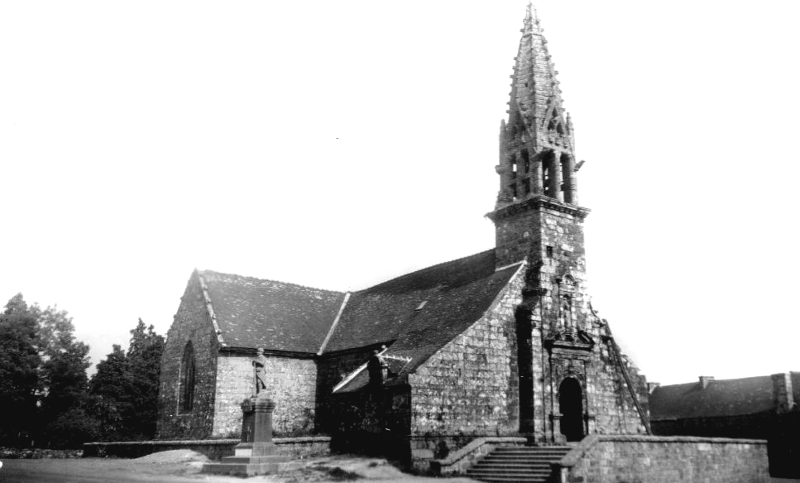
525,466
520,453
533,459
532,448
509,472
513,479
520,464
534,455
532,451
515,464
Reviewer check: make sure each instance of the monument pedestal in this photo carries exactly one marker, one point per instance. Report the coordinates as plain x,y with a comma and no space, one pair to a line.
256,454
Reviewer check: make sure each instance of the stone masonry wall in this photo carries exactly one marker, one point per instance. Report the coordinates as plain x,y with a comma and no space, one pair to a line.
291,383
470,386
191,323
553,240
611,402
614,459
607,398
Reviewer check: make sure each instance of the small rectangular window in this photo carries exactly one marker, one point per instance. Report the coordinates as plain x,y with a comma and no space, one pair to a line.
549,251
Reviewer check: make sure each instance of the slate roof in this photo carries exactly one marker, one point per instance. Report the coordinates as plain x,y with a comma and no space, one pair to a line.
729,397
277,316
455,295
416,314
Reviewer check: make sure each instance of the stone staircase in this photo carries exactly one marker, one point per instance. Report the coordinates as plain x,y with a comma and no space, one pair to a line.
518,464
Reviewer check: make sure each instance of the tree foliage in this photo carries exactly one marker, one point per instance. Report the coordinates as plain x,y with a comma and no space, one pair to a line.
63,378
46,397
19,364
125,387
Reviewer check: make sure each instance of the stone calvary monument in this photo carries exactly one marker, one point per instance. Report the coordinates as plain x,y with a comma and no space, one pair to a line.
256,454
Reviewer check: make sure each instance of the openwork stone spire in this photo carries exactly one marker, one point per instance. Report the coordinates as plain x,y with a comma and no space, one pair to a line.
537,156
536,143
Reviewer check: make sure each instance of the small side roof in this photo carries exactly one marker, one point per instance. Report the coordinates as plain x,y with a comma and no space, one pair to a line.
728,397
277,316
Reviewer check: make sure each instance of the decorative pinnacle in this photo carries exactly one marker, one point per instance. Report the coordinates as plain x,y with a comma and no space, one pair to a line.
533,13
531,23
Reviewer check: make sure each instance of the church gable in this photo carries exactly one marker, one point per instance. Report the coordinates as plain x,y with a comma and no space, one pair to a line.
189,367
469,386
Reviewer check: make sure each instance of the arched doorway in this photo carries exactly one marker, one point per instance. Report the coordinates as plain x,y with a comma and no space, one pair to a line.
570,404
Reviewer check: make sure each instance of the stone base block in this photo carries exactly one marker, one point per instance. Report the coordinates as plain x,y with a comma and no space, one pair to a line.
243,449
246,465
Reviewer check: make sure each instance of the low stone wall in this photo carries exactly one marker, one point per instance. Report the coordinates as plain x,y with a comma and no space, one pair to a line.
294,448
658,459
39,453
459,461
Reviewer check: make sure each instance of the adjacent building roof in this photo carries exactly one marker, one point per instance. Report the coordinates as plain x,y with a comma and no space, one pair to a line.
730,397
277,316
416,314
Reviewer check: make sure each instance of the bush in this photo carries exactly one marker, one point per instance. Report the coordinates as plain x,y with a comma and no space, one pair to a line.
72,429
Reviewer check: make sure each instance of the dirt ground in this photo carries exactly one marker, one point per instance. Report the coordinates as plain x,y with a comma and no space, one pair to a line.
183,466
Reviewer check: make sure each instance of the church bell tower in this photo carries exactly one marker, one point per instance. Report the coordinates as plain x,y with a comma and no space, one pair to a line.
563,353
537,216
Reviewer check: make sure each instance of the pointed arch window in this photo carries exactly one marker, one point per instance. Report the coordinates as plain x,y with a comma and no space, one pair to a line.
187,379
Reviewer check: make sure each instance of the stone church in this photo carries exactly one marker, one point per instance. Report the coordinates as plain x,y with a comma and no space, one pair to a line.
504,342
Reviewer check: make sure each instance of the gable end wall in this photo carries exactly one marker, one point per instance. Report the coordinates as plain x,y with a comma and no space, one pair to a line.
191,323
471,386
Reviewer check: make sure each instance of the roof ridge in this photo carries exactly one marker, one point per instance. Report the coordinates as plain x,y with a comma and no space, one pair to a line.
272,280
334,324
429,267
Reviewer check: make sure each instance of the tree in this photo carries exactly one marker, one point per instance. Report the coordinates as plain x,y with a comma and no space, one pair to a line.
19,361
144,360
125,387
63,380
111,395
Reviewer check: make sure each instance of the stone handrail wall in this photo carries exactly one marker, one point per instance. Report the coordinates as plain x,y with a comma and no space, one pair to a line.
459,461
665,459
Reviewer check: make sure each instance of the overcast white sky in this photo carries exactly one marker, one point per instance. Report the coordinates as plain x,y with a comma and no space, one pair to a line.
339,144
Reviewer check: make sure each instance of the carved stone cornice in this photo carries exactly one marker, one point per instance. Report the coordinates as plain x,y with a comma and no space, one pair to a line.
534,202
570,341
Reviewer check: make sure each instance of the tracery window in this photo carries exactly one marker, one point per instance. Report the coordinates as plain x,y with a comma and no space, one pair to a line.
187,379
